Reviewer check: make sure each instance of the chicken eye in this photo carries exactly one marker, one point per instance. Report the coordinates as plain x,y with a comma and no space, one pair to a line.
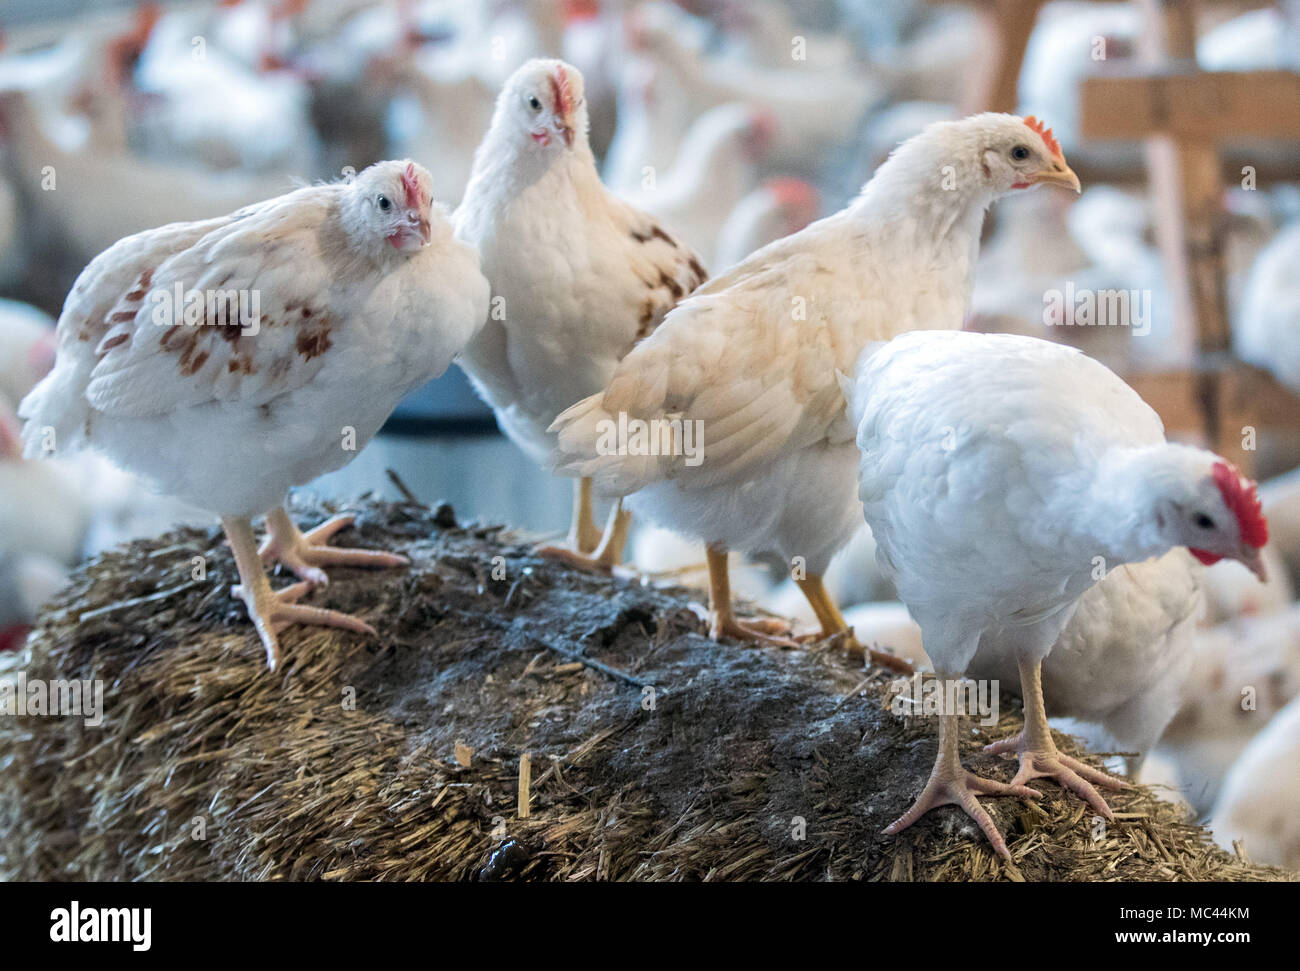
534,103
1203,521
1020,153
384,204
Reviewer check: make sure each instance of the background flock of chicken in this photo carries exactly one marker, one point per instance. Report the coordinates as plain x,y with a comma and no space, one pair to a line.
732,125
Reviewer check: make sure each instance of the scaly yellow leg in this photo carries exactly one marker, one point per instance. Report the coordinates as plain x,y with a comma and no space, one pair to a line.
833,624
722,619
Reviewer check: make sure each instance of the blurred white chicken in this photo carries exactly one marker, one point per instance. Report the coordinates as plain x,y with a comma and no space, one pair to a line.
750,360
1071,42
27,345
779,207
1242,674
653,114
207,105
1266,331
27,581
578,276
443,122
1002,477
813,108
299,323
95,196
1258,804
716,166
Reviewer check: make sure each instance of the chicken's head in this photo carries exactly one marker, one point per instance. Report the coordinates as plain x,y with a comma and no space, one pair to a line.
1213,510
543,104
390,202
1000,153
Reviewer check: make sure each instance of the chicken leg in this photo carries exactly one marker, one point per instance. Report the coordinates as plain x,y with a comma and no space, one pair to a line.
1039,757
606,554
951,784
273,610
722,620
834,625
305,553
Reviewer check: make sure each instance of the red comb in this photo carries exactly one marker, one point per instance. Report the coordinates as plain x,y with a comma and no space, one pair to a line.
411,186
563,90
1045,134
1242,498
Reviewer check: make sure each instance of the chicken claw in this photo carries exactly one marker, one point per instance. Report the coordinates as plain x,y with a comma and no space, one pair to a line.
951,784
1046,762
273,611
305,553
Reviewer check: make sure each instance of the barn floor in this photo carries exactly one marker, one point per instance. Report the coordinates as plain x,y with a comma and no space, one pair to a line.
655,753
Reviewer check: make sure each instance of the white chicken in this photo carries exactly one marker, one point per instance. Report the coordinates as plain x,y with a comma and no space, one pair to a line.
1266,331
96,196
27,347
1242,674
777,208
750,361
1258,802
578,276
207,105
231,359
1002,477
652,111
813,109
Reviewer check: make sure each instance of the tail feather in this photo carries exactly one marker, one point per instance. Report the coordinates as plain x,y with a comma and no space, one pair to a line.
585,448
56,414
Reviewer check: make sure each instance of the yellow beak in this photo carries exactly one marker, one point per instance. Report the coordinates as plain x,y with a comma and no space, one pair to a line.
1058,173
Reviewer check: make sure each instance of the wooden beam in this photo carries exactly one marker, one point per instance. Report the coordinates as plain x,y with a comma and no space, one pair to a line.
1211,106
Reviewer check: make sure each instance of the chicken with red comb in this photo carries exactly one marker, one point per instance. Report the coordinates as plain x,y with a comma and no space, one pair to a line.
1002,478
750,361
231,359
578,276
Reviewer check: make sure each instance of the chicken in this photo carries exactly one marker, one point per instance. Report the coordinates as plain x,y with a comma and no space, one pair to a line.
318,310
652,111
716,166
750,360
1231,591
578,276
814,109
1242,674
94,196
1266,331
1002,476
26,348
1257,806
777,208
44,510
218,110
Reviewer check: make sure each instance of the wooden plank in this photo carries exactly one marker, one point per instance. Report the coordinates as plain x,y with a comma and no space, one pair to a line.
1209,106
